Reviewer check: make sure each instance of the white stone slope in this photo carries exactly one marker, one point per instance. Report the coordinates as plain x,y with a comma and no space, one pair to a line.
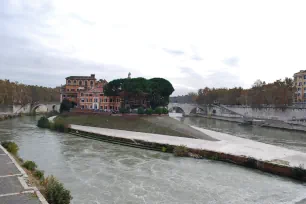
227,144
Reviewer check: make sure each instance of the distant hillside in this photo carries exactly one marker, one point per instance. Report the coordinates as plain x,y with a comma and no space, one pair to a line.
16,93
182,99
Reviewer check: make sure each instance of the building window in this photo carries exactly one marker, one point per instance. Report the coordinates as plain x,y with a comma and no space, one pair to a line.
299,94
82,100
105,100
105,107
300,77
304,95
72,89
91,83
101,94
74,82
86,99
69,82
82,94
111,107
110,100
96,100
299,89
101,100
80,83
304,76
90,100
101,107
300,83
90,107
67,89
90,94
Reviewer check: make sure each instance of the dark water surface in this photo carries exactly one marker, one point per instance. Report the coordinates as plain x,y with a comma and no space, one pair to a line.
98,172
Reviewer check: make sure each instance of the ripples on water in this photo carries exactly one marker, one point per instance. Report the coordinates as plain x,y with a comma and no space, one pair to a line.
98,172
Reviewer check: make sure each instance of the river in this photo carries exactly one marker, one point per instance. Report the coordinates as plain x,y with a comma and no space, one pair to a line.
98,172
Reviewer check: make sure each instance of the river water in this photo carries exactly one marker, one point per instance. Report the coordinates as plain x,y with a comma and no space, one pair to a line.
98,172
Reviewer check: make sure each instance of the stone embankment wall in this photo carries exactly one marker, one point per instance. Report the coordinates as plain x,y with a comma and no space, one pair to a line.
284,114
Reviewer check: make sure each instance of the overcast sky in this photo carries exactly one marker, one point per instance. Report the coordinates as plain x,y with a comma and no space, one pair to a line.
193,44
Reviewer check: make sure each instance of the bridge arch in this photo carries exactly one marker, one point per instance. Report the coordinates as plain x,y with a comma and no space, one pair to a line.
35,107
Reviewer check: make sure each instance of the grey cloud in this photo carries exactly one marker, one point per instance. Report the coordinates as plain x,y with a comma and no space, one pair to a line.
173,52
218,79
23,59
232,61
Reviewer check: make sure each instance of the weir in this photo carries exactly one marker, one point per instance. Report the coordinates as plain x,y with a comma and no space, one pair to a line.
265,157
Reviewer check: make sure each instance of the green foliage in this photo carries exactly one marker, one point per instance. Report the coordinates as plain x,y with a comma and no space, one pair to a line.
29,165
164,149
66,105
123,110
180,151
11,147
149,111
39,174
158,110
157,90
140,110
165,111
55,191
59,125
299,172
43,122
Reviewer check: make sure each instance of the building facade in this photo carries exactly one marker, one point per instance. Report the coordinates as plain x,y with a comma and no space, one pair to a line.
88,93
300,84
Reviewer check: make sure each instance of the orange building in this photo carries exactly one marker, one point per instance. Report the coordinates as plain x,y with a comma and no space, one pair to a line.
88,93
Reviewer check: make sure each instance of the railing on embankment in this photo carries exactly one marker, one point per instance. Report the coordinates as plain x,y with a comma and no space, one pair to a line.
297,173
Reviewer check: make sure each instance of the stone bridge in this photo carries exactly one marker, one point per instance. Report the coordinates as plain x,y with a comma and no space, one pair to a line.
33,107
245,112
187,108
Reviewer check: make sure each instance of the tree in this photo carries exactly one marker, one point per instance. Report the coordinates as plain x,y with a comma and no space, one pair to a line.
157,90
66,105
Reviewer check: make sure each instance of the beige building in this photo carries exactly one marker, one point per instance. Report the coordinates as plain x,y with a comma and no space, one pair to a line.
300,84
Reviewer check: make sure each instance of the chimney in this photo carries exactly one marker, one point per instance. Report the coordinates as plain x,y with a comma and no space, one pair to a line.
92,75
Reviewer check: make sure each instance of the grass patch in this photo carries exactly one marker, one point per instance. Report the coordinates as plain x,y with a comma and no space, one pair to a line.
180,151
39,174
130,123
29,165
11,147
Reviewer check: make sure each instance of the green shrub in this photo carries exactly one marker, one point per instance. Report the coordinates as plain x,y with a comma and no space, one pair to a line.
43,122
39,174
55,191
59,125
158,110
180,151
299,172
149,111
123,110
164,149
11,147
165,111
140,110
29,165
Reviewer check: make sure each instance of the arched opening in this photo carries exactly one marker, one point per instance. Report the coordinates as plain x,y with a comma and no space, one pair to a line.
53,108
41,108
176,109
198,110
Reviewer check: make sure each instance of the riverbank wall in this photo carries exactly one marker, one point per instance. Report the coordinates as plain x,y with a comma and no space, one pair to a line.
14,186
251,154
268,123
